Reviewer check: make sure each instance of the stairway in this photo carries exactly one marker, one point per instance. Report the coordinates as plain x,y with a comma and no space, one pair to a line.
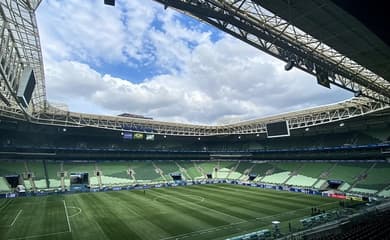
358,178
159,171
324,174
183,171
233,169
293,173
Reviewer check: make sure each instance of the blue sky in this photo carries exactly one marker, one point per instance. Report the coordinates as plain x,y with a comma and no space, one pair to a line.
137,57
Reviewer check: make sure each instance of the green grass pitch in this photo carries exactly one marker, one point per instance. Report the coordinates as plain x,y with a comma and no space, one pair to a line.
192,212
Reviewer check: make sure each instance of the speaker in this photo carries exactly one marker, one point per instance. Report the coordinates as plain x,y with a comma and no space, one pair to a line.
322,78
109,2
26,86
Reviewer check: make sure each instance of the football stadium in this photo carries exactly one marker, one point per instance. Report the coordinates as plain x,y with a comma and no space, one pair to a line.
314,173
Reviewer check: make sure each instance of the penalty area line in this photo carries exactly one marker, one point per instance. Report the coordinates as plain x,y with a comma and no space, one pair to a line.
67,216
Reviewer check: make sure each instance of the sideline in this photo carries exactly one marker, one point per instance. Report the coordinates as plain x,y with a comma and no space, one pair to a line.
67,216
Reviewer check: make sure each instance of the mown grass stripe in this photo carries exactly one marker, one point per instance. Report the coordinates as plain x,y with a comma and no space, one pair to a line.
226,204
6,203
276,202
165,213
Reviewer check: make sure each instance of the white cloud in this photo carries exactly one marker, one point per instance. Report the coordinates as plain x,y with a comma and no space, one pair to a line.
204,81
93,32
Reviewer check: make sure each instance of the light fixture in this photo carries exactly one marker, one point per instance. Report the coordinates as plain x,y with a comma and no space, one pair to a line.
290,64
358,93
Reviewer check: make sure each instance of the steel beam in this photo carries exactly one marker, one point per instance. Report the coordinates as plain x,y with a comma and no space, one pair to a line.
248,21
244,19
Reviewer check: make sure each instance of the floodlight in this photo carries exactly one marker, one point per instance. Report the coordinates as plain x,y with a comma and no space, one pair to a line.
290,64
358,93
322,77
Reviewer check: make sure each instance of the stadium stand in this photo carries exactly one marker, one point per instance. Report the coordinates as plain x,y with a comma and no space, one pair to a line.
348,172
11,167
53,169
235,175
144,171
344,187
376,178
191,169
288,166
3,185
207,167
301,180
314,170
244,166
276,178
359,178
319,183
114,173
384,193
363,191
167,168
90,139
371,227
261,169
222,173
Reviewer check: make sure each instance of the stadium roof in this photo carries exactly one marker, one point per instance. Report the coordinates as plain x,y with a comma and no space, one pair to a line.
357,29
311,27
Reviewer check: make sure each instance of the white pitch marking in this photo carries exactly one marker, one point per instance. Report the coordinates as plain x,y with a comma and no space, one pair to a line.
13,222
201,199
75,214
37,236
67,216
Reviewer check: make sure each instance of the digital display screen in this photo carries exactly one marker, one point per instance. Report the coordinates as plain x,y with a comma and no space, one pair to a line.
78,178
138,136
128,136
149,137
30,87
277,129
26,86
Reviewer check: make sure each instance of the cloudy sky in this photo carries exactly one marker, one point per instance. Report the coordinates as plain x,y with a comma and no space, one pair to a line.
138,58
